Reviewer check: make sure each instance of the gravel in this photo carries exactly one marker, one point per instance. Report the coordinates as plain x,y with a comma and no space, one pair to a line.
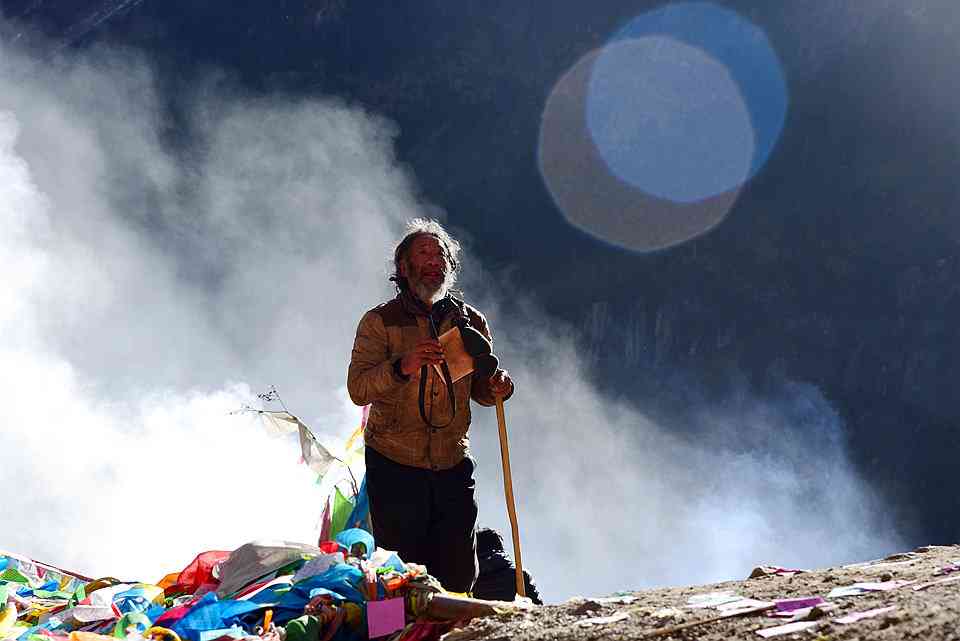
929,614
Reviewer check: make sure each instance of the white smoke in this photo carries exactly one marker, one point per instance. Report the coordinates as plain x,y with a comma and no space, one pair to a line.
147,295
149,292
609,499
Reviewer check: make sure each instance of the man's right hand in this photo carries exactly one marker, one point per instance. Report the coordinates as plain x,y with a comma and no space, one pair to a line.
426,352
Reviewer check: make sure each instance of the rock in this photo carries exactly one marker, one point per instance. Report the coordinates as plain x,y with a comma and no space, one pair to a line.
586,607
888,621
666,615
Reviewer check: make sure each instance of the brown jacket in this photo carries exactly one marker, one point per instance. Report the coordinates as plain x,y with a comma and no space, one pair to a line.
395,427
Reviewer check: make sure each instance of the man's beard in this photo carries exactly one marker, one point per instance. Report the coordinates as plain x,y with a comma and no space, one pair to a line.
427,292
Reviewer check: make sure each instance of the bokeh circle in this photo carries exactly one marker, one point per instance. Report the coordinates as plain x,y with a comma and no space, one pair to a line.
647,141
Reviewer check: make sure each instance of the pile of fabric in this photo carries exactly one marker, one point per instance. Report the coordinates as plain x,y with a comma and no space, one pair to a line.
345,589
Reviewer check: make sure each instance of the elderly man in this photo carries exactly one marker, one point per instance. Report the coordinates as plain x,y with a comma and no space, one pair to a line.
419,470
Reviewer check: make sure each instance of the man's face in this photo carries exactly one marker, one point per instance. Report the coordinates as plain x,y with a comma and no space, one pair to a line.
426,269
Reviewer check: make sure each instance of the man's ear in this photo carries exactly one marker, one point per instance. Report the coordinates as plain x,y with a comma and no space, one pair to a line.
403,269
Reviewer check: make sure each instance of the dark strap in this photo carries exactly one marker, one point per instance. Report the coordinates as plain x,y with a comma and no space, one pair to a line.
423,389
446,379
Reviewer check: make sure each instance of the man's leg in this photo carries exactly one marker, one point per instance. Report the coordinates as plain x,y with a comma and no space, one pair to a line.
399,498
453,541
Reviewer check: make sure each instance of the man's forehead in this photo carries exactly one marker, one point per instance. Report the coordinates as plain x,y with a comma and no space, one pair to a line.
425,241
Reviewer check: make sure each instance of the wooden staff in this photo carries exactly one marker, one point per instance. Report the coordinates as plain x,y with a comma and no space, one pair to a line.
508,492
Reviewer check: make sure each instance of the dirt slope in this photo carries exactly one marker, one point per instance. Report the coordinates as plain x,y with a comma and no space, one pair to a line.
930,613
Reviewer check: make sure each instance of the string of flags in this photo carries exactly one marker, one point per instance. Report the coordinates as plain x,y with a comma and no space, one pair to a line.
343,589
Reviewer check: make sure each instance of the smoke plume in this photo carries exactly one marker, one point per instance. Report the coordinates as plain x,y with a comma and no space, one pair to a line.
150,289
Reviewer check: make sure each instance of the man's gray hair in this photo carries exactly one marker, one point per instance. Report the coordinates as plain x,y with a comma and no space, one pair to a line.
426,227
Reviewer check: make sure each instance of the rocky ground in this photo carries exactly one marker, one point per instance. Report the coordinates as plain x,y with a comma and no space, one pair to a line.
913,607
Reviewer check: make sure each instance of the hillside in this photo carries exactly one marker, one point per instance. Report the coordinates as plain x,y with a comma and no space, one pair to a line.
921,608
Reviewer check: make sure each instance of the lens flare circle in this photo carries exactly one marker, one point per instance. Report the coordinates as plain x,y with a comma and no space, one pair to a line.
669,119
687,101
647,142
596,201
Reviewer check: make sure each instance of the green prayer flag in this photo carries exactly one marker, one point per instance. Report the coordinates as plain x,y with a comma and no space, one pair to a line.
305,628
79,595
52,594
138,620
13,574
342,507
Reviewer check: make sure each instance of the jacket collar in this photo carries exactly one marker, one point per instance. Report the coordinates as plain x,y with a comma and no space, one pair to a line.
441,309
412,304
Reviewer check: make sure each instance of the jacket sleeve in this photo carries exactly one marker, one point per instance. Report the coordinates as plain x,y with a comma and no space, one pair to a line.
480,387
371,376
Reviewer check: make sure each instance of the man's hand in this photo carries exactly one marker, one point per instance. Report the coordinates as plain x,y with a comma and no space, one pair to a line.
426,352
501,384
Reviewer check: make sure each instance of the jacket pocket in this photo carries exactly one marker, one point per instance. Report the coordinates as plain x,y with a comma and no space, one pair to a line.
384,418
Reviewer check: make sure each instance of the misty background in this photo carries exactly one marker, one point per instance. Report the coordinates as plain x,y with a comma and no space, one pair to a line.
200,202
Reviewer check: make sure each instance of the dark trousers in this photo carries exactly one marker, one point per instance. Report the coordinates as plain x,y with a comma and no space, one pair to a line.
427,517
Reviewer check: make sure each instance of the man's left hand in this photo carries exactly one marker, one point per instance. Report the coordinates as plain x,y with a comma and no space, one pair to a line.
501,384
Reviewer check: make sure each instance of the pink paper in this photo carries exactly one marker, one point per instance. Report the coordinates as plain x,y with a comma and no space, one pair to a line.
789,628
856,616
384,617
797,615
883,586
924,586
789,605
